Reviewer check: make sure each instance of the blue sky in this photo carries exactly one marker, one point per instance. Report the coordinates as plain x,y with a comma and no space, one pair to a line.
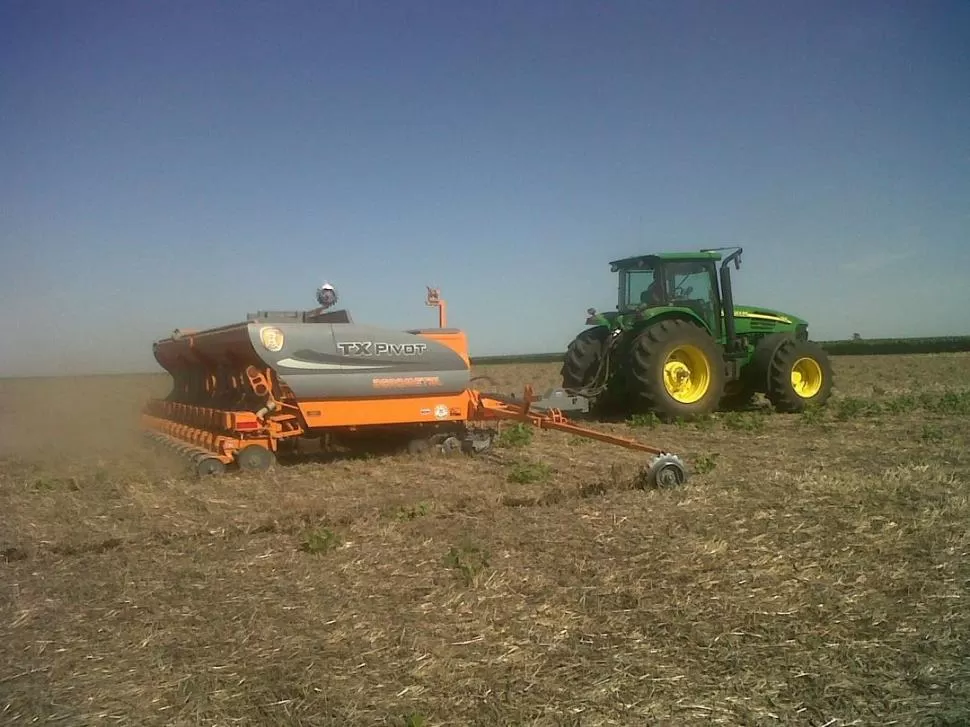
179,164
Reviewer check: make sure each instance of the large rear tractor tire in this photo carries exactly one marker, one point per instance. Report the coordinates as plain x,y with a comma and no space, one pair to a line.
678,370
799,376
582,360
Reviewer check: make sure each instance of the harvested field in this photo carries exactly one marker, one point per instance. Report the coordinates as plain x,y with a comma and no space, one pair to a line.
814,571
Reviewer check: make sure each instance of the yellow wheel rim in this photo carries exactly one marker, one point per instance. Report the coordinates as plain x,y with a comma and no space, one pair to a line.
687,374
806,377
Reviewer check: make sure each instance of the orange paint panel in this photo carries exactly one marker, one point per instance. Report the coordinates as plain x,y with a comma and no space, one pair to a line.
402,410
457,341
221,446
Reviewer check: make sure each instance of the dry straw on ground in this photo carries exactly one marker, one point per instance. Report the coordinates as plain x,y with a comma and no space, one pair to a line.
813,572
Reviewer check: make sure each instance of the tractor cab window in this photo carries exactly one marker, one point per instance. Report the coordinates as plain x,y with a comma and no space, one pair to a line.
693,285
642,286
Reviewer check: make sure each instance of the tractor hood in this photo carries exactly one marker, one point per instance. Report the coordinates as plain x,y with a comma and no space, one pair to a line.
767,314
748,318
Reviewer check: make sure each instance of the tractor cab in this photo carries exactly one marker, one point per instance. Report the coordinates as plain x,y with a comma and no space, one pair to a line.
687,280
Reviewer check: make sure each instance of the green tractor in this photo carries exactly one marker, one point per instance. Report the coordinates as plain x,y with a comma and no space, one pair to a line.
679,347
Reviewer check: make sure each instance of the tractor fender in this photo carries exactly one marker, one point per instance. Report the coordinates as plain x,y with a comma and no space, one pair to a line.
764,353
602,333
678,314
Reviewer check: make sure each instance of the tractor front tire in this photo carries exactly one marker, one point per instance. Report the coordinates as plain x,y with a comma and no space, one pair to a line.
678,370
583,358
799,376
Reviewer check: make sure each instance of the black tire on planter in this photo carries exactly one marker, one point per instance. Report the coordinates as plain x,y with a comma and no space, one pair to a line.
583,358
648,355
781,393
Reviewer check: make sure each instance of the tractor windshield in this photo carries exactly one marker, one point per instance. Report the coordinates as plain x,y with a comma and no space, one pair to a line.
693,284
684,283
690,280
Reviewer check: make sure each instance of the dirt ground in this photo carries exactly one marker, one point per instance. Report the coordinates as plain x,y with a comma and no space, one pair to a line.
813,571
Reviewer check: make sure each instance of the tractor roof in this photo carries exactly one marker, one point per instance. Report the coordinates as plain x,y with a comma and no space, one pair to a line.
635,260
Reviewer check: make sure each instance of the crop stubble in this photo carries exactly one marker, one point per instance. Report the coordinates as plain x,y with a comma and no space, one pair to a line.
812,572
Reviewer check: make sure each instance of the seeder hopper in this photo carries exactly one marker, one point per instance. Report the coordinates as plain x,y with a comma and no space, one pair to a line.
246,393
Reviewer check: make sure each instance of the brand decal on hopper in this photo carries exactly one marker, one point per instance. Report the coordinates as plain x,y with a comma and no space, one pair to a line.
380,348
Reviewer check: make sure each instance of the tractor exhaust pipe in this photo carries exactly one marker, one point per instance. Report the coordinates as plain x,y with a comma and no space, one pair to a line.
727,296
